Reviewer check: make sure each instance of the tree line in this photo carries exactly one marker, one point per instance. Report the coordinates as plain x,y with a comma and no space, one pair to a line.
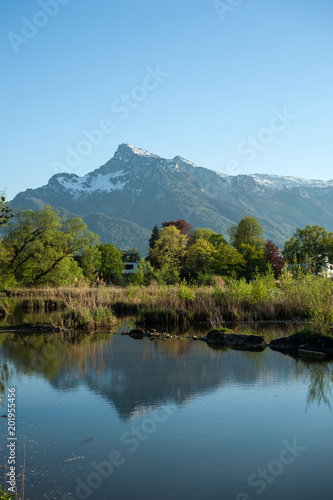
45,248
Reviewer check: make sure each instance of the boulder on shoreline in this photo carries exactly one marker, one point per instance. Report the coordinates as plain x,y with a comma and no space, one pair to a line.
31,328
310,342
138,333
236,341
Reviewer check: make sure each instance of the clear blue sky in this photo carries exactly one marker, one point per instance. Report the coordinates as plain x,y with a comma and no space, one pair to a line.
225,74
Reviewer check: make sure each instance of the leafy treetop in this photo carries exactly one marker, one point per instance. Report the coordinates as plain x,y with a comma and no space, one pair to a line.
312,245
273,257
42,244
5,211
247,232
181,224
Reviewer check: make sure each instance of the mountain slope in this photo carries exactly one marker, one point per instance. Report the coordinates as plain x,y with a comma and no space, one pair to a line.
139,187
125,234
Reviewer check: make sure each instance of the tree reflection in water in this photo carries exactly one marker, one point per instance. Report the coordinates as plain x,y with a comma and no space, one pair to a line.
4,376
320,378
5,372
66,358
49,355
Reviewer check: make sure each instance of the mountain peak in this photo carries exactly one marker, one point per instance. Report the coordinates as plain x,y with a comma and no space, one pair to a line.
125,152
142,188
180,159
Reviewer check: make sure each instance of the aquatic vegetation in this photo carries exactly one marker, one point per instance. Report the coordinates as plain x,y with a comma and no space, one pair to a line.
302,297
95,317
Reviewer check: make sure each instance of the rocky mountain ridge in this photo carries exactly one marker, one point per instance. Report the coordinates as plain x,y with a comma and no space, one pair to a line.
141,189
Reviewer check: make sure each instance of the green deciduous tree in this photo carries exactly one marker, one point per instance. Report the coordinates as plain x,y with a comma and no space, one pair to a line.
111,263
246,238
42,244
90,262
5,211
227,260
7,277
169,249
247,232
200,232
255,262
312,246
217,239
145,273
199,257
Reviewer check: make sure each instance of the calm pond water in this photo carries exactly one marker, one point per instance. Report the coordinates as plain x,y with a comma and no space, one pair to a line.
270,329
118,418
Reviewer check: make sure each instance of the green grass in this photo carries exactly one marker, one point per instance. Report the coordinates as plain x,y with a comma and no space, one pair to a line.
305,297
222,329
5,495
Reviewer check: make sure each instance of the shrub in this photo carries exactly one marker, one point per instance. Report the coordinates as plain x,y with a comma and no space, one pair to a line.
186,292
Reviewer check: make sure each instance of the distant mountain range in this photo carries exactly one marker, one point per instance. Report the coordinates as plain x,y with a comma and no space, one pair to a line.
122,200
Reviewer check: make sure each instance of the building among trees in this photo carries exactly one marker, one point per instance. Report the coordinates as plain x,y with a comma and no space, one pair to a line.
131,262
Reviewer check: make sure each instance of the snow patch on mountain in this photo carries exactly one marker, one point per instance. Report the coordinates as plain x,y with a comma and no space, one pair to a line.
286,182
277,182
141,152
88,184
125,152
180,159
130,165
142,188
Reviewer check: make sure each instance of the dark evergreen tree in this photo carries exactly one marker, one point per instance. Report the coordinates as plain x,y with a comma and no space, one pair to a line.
154,236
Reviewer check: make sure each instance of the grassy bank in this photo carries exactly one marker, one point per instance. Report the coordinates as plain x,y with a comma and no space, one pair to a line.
74,308
306,297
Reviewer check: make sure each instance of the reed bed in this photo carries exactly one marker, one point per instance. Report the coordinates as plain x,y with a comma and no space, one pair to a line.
306,297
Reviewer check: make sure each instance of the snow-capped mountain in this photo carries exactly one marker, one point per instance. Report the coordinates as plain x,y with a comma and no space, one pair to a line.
137,189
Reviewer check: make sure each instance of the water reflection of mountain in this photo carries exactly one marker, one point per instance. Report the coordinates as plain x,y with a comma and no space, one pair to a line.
143,374
135,375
